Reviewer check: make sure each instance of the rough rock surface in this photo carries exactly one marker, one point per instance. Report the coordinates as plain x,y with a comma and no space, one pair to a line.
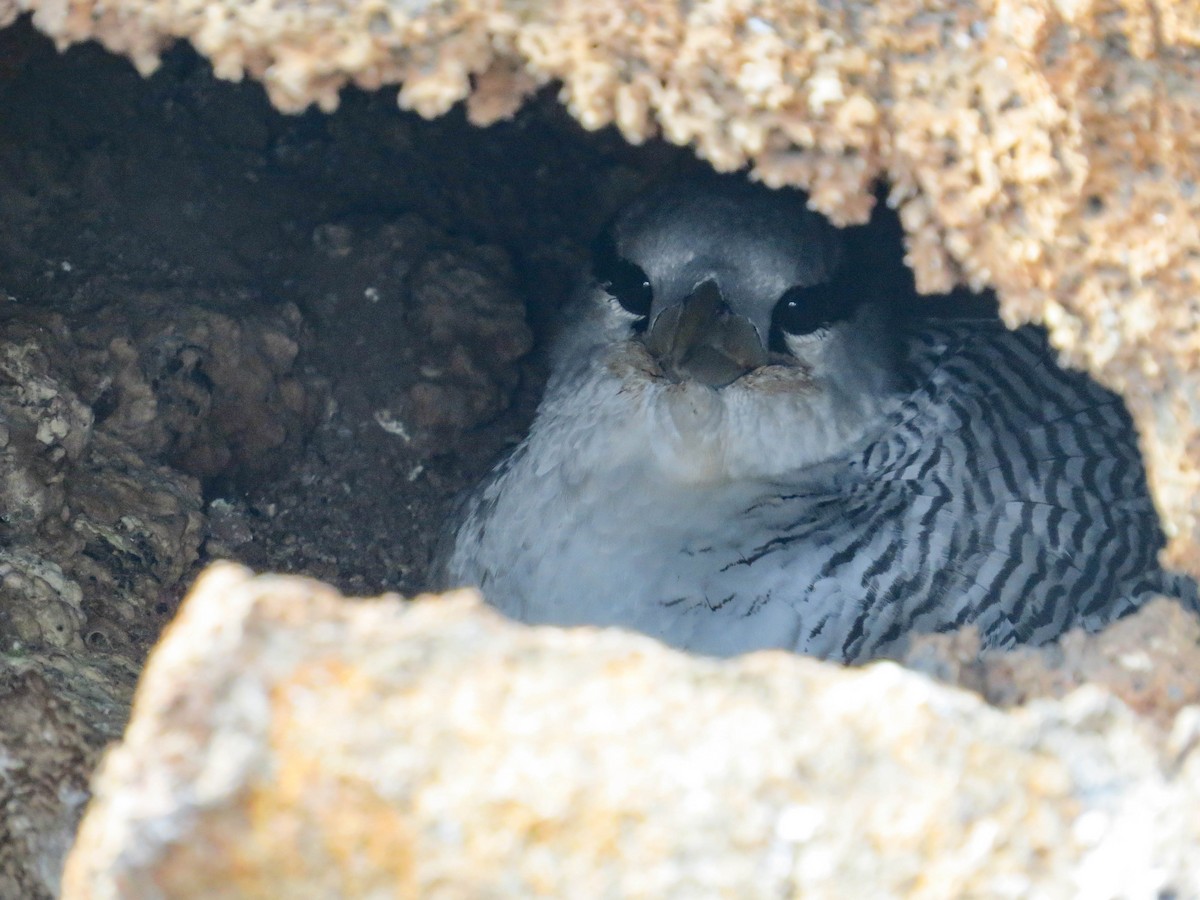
96,538
228,259
287,743
92,535
58,711
1151,661
227,332
97,530
215,318
1051,150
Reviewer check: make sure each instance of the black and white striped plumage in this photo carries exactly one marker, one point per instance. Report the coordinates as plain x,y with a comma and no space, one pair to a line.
856,478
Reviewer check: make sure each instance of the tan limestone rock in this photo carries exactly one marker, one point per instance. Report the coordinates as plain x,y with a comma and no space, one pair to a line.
287,743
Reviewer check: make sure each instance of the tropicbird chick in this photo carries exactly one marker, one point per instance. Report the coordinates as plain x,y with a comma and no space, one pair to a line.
736,452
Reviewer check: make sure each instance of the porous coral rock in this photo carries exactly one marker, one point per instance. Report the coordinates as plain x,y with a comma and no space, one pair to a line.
1047,149
57,712
96,537
97,529
286,743
86,527
1149,660
210,392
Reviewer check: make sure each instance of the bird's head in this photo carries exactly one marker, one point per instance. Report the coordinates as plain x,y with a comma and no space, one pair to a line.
728,305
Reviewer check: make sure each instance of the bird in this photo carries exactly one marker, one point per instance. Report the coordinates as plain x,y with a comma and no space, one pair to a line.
746,444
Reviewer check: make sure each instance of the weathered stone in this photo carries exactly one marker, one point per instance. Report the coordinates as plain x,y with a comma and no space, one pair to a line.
97,537
1047,149
1149,660
287,743
78,507
57,713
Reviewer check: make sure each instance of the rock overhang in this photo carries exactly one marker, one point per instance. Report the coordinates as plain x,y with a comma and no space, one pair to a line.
1046,150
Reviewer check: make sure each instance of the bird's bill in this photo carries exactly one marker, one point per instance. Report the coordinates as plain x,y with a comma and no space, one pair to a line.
702,340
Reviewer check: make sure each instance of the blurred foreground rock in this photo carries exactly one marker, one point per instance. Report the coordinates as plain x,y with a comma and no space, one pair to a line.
285,743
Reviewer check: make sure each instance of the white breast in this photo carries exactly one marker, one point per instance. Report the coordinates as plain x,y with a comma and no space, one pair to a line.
621,504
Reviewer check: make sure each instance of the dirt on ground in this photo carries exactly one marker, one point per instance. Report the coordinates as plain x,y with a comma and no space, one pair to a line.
314,327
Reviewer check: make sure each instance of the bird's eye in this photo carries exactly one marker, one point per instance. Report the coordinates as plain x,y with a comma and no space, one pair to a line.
803,311
623,279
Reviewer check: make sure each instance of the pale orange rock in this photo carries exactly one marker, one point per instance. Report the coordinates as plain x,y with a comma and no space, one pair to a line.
287,743
1149,660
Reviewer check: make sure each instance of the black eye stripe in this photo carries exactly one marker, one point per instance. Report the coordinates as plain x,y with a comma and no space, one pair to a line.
623,279
804,310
